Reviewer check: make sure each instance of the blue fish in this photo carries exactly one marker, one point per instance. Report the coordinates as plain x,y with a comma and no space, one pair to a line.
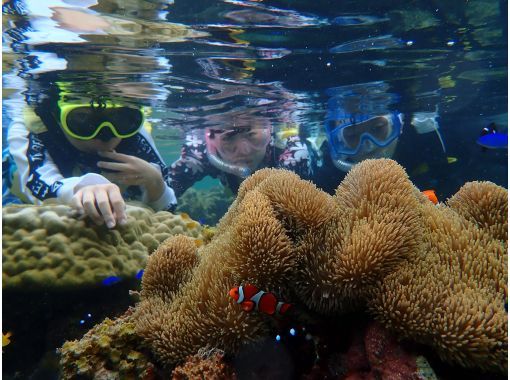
493,141
112,280
139,274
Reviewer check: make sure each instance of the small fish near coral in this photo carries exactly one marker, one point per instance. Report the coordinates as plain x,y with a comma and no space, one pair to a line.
86,318
251,298
6,339
431,195
112,280
294,333
490,138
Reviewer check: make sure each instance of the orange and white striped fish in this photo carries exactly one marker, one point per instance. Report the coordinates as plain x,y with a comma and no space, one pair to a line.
251,298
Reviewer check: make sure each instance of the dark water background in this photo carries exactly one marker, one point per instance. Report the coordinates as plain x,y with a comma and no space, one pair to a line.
216,63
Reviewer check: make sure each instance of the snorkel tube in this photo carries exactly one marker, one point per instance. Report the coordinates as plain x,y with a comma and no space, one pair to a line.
342,164
219,164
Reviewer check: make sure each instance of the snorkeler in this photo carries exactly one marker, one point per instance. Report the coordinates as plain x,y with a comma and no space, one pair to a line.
233,154
91,154
360,123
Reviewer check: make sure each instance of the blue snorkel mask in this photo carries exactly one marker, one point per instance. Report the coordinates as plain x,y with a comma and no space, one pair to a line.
353,137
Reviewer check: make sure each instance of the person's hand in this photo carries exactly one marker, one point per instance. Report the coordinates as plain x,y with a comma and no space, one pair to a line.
102,203
131,170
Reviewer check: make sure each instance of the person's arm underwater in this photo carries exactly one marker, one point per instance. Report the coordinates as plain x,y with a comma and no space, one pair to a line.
145,168
40,179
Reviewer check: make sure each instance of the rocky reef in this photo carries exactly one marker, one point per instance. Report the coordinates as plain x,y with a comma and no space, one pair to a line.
432,275
105,343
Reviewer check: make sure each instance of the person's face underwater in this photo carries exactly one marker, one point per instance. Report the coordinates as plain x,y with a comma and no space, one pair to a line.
98,127
94,145
243,147
380,128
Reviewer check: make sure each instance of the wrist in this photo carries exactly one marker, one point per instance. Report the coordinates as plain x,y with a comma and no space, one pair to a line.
155,186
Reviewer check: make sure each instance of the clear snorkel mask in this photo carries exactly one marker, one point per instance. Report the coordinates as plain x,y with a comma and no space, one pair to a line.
353,138
237,151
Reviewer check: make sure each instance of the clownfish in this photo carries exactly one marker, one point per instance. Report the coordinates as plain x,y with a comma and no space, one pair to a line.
431,195
251,298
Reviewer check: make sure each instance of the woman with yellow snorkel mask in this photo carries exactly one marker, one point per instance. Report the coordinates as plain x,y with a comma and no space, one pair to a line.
90,154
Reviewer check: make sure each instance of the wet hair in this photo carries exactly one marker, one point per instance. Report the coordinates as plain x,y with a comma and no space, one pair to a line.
54,139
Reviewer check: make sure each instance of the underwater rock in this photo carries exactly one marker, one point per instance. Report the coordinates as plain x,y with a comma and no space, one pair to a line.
48,246
388,359
374,353
432,274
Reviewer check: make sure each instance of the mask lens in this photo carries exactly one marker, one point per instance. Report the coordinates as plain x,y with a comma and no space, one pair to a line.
83,121
239,150
351,136
377,128
125,120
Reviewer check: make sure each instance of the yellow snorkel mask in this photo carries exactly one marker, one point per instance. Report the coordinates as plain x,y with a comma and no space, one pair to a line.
85,121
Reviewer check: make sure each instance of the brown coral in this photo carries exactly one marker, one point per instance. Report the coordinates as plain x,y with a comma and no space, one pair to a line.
202,312
434,274
367,239
169,267
451,297
207,205
486,205
298,204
